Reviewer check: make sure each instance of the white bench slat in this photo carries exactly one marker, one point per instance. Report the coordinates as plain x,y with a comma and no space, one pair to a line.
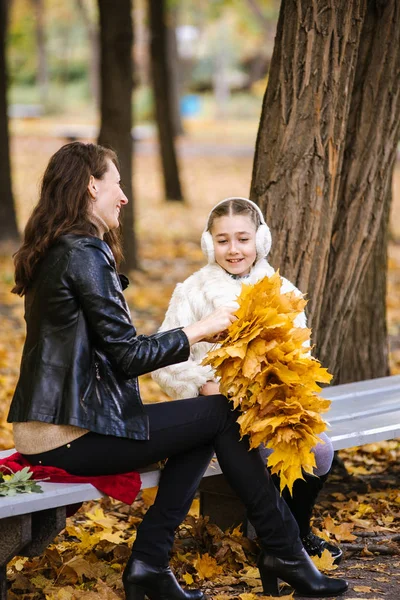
359,438
363,398
62,494
54,495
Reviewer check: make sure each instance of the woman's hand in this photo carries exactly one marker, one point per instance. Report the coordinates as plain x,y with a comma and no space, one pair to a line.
210,388
206,329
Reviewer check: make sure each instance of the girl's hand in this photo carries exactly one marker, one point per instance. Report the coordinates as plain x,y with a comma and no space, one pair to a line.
207,328
210,388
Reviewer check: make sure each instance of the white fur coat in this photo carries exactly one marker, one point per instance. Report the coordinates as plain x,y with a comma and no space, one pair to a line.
195,298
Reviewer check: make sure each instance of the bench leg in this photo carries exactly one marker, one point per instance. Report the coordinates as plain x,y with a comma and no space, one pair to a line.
219,502
3,582
15,532
46,524
27,535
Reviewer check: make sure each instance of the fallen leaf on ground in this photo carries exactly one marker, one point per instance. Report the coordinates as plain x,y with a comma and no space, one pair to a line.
325,561
207,567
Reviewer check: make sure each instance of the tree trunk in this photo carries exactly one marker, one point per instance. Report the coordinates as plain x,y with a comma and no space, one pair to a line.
299,146
93,39
8,221
116,38
325,152
365,344
42,65
364,189
174,71
162,98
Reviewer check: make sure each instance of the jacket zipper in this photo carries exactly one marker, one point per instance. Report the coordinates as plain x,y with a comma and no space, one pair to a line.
96,366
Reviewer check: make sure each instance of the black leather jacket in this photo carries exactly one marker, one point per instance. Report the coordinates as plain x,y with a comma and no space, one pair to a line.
82,356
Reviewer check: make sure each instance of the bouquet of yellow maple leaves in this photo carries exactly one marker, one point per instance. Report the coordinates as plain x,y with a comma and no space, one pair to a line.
267,372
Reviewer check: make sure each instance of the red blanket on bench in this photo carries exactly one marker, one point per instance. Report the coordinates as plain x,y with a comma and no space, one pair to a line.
124,487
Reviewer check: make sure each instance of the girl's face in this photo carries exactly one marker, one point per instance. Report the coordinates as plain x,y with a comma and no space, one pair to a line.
108,197
234,238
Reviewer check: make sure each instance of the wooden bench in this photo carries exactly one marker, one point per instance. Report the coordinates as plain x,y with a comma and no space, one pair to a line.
361,413
30,522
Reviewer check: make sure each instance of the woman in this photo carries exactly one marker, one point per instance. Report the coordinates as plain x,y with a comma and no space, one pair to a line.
236,241
77,404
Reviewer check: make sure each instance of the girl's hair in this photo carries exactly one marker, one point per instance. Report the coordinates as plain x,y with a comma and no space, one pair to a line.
64,206
234,206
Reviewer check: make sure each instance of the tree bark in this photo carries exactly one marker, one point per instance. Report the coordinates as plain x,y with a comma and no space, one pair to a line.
301,135
174,71
8,220
163,97
325,151
365,345
116,38
365,183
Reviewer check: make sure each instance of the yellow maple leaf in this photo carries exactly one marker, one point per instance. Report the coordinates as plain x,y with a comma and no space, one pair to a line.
87,540
188,578
116,537
97,516
341,532
81,567
266,372
325,562
195,508
149,495
207,567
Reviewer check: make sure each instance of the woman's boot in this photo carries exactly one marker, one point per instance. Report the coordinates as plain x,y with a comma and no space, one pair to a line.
157,583
300,572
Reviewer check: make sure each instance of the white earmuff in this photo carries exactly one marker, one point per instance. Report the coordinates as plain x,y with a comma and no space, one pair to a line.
207,246
263,234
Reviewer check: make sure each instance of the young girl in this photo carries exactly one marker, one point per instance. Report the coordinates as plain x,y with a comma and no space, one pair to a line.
236,241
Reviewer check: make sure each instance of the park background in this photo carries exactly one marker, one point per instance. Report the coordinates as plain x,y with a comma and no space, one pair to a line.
218,71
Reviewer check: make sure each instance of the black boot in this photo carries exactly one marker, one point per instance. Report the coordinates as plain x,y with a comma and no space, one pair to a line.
301,505
300,572
157,583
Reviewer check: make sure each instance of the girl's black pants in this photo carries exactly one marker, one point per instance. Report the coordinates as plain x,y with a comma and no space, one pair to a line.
187,433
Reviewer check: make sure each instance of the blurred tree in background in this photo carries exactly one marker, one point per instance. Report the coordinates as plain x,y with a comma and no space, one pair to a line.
42,70
161,68
116,68
8,222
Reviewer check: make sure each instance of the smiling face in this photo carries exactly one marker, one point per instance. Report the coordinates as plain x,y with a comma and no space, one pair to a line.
107,195
234,239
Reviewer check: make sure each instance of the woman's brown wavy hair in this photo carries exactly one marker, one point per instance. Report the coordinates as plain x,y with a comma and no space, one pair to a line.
64,207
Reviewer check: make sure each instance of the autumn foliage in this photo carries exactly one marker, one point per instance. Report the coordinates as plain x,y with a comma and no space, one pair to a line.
267,372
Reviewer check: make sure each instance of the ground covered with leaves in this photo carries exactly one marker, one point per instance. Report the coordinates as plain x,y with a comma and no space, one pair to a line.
359,507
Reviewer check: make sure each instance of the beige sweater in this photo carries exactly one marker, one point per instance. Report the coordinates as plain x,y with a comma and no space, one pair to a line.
35,437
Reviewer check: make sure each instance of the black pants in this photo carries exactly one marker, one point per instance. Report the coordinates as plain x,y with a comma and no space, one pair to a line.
187,432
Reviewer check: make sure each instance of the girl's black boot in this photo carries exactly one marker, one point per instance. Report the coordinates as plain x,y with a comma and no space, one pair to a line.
300,572
301,504
157,583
